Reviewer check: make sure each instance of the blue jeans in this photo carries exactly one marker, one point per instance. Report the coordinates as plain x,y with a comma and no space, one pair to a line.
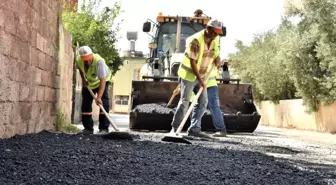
186,89
214,107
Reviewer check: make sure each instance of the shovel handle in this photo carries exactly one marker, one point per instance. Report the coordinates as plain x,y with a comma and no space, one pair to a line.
171,99
179,129
106,114
174,94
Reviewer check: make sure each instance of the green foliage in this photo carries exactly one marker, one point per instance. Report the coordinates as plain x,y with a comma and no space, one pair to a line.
96,28
296,60
262,65
63,125
313,61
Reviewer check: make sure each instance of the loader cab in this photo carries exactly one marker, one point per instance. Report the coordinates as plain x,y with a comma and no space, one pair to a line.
168,41
165,37
165,33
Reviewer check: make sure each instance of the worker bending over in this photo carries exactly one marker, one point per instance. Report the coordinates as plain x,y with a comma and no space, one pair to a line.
201,51
95,75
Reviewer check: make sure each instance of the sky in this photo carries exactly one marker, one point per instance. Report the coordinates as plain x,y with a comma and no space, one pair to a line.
242,18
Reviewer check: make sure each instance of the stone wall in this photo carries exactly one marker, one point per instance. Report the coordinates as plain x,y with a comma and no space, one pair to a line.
291,114
65,73
30,78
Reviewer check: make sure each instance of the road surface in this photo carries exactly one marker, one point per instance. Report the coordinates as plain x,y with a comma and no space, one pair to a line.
268,156
292,143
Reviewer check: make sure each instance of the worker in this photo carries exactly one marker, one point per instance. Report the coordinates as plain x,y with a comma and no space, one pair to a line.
202,50
225,72
213,105
96,76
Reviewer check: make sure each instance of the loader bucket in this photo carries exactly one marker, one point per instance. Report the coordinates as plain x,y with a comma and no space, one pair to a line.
149,111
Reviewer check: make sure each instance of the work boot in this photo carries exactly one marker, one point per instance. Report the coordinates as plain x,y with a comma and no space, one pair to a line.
86,132
197,134
219,134
103,132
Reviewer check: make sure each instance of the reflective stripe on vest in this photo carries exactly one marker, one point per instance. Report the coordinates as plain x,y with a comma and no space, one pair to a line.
90,75
212,78
185,71
186,68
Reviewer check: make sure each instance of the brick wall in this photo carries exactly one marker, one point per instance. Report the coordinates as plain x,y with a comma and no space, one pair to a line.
30,76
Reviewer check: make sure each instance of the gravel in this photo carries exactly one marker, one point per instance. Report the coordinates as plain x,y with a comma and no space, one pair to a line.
162,108
50,158
155,108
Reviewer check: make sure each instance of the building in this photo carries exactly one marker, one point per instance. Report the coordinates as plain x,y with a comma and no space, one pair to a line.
120,93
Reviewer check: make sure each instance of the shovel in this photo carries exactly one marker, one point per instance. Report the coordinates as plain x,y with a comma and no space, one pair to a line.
176,137
175,92
117,134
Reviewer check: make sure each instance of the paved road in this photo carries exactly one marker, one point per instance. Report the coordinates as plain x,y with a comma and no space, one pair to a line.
121,120
313,146
269,156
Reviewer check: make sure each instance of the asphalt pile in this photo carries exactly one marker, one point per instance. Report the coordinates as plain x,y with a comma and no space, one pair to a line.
228,110
163,108
155,108
49,158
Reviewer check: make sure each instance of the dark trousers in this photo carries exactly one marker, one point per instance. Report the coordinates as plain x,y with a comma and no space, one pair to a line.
87,108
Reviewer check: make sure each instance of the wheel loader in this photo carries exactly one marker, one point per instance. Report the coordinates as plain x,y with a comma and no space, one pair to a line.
150,95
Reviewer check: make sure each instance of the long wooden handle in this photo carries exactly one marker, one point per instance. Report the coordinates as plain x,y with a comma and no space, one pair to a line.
173,95
193,102
171,99
106,114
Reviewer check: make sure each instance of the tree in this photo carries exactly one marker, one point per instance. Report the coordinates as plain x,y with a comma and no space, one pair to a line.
262,65
312,61
96,28
295,60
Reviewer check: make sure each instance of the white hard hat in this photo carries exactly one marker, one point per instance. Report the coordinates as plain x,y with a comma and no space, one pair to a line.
85,52
216,25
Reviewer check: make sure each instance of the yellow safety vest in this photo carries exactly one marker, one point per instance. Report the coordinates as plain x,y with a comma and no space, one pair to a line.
211,82
90,75
185,71
212,79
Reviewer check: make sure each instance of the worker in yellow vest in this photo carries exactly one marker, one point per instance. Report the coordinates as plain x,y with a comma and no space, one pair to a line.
213,105
95,75
201,51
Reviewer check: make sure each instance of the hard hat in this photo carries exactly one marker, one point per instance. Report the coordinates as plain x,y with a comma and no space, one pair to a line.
86,53
216,25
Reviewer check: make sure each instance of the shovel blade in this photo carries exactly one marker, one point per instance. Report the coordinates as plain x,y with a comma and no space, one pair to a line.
172,137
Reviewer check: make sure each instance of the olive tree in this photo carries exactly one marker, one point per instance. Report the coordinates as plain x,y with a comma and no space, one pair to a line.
312,61
296,60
